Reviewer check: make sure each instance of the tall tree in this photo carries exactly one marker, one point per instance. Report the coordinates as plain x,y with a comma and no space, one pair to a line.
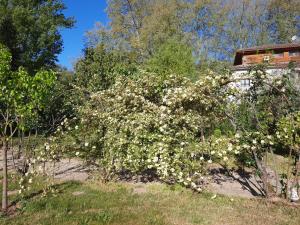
145,25
127,19
30,29
223,26
284,19
173,57
214,28
99,67
21,97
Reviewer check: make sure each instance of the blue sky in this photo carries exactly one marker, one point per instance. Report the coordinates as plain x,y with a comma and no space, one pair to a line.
86,14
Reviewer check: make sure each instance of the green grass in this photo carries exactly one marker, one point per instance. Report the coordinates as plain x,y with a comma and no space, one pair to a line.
13,182
156,204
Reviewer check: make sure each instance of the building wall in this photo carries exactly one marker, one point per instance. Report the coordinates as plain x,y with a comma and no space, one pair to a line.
274,72
274,58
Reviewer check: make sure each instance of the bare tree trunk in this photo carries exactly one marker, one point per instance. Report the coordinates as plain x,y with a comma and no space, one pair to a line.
278,188
202,135
264,174
4,181
20,140
288,180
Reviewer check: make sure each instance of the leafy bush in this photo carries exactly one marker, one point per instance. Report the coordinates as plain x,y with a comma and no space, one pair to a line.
152,124
173,128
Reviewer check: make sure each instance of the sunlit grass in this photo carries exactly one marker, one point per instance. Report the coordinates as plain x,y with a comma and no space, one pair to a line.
123,203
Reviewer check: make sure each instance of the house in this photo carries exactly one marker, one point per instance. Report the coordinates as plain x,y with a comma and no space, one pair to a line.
276,57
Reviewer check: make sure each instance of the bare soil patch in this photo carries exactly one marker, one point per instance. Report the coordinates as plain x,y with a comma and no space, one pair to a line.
238,183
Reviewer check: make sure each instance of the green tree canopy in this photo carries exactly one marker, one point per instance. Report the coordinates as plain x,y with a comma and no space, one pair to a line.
99,67
21,98
173,57
30,29
145,25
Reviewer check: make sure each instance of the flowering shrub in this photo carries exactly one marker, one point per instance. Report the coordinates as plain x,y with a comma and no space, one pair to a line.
147,124
166,127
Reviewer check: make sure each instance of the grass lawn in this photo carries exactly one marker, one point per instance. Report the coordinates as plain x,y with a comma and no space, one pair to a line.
96,203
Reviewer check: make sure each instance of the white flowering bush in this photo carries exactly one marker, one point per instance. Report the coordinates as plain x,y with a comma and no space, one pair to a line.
152,125
166,127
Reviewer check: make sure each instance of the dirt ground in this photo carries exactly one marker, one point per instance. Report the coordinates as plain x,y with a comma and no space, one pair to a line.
65,170
238,183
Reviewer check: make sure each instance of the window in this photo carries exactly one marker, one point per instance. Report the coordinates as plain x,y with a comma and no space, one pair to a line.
245,83
294,53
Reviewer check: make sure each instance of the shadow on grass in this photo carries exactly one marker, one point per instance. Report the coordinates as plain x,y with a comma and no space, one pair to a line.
61,187
146,176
